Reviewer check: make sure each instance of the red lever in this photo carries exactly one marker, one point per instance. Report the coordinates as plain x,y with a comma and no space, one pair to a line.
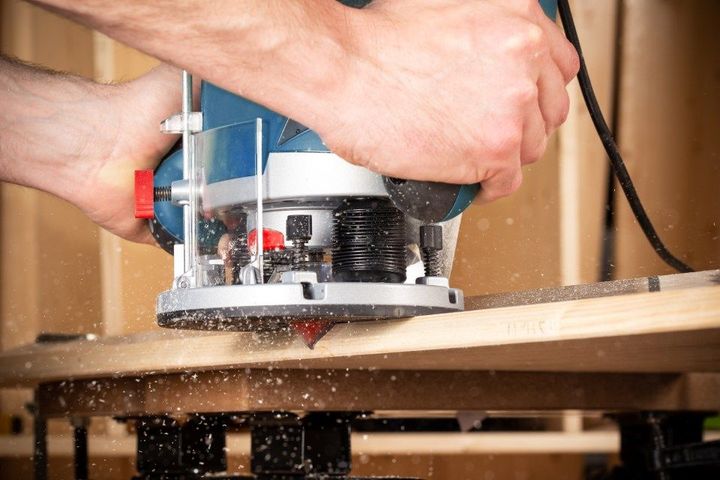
272,240
144,194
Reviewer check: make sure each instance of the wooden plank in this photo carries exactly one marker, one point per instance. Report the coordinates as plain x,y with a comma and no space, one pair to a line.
595,290
444,443
668,131
630,333
250,390
430,467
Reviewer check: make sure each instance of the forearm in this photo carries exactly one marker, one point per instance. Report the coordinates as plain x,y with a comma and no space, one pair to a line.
48,123
281,53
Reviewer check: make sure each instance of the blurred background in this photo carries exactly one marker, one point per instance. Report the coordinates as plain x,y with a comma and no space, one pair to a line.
656,69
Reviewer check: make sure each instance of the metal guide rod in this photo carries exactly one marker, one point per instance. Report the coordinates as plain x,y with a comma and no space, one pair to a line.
188,174
259,190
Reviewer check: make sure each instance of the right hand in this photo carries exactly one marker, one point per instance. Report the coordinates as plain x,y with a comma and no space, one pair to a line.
453,91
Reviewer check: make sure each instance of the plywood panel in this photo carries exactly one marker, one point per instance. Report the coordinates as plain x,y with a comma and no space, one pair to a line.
669,123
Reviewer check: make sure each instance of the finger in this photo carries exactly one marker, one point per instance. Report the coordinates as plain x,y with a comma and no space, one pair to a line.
561,50
553,98
502,184
534,139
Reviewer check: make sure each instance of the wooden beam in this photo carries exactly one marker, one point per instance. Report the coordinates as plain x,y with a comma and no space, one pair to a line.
655,283
362,390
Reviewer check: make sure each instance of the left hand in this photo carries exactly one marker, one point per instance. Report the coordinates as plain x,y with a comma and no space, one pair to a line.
134,111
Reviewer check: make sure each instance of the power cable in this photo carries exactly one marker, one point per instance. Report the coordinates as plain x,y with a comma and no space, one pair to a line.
606,137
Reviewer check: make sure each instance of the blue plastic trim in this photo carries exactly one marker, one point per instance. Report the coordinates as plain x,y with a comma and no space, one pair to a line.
231,150
550,7
221,108
168,215
465,197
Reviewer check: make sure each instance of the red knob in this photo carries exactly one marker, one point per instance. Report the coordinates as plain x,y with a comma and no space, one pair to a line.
272,240
144,194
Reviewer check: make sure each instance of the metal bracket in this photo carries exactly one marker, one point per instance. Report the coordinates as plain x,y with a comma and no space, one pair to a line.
175,125
180,192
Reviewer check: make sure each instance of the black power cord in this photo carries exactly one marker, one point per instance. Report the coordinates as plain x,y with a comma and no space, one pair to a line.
606,137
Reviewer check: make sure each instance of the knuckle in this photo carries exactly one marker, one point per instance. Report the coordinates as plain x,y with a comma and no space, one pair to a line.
527,40
503,188
526,6
523,93
491,192
504,141
475,172
573,61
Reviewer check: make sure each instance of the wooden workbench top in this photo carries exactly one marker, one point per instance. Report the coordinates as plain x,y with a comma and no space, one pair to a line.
660,332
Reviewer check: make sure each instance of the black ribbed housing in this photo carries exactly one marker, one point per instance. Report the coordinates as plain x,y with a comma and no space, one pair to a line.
368,242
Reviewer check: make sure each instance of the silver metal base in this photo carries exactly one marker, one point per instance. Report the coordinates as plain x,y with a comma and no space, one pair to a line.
273,306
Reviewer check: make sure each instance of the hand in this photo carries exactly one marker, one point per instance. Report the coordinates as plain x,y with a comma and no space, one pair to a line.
135,110
452,90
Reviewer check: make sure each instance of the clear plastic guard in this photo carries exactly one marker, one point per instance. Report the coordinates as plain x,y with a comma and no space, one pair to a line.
229,208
